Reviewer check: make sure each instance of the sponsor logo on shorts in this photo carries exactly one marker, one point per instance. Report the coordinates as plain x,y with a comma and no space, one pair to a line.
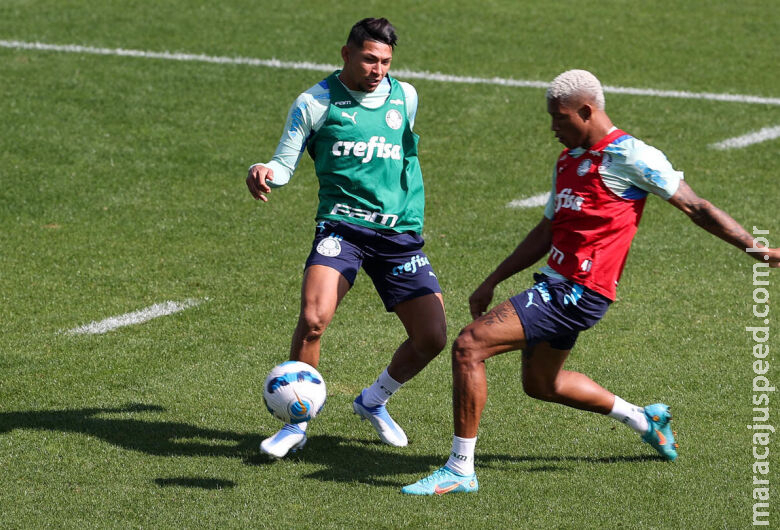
574,295
375,146
541,288
531,299
417,262
330,246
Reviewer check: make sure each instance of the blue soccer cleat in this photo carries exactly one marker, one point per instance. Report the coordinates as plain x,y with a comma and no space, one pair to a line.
659,434
443,481
387,429
290,438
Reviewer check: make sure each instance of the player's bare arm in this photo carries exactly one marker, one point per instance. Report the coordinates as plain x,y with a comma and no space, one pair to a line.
719,223
256,181
530,250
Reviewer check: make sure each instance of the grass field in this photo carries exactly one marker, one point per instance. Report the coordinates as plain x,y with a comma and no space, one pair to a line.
123,187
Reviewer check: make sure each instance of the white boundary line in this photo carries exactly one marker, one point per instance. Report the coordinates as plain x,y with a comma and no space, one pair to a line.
530,202
428,76
755,137
136,317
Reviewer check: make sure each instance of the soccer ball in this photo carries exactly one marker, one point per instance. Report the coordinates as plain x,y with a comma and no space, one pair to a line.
294,392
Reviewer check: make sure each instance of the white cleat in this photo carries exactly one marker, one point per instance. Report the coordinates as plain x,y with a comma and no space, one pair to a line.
290,438
387,429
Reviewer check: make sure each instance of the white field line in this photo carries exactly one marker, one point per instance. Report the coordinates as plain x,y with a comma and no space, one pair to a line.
530,202
428,76
764,135
136,317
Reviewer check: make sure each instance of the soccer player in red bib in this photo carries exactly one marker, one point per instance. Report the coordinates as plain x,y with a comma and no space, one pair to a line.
600,184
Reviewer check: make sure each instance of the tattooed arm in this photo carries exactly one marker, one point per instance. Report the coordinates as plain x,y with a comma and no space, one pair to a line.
721,224
535,245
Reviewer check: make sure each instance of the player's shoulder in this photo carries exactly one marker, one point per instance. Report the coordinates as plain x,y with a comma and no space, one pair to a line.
631,149
408,88
318,94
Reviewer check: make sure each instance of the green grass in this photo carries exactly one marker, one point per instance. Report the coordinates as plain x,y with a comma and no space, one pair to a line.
122,187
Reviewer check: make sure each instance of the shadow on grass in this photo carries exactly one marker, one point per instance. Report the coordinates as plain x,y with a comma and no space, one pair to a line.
341,459
195,482
575,459
159,438
356,460
540,464
344,460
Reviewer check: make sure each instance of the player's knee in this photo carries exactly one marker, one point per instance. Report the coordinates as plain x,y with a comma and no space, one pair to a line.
465,350
539,388
312,325
432,342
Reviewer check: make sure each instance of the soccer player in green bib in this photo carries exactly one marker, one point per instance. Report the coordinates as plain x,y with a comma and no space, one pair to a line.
357,126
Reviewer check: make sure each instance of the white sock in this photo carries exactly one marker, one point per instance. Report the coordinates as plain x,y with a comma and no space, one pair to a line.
303,425
461,459
629,414
379,392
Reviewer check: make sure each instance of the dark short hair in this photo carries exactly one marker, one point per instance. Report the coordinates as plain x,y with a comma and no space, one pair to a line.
376,29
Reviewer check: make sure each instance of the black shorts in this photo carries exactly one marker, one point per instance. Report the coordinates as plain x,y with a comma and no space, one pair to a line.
394,261
556,310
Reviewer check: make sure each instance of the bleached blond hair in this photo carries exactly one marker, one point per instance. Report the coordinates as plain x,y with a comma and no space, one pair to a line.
576,83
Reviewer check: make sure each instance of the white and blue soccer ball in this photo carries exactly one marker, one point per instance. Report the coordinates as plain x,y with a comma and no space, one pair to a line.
294,392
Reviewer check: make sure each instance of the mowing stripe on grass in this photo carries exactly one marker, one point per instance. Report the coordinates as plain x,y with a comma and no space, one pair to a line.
136,317
764,135
530,202
428,76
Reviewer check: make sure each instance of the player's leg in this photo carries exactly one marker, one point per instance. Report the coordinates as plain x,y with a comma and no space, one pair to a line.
404,278
330,270
426,325
322,290
496,332
544,378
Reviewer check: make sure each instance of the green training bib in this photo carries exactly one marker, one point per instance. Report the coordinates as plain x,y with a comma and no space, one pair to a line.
366,162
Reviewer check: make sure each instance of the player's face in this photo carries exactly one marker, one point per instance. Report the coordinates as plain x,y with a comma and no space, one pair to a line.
366,66
568,124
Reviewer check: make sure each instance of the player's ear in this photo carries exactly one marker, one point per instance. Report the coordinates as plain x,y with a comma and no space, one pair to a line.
345,54
585,111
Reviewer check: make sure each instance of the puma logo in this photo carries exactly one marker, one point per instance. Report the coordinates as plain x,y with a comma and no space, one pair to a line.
352,117
531,300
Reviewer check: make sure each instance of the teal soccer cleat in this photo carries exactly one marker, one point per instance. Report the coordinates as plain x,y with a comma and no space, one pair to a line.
659,434
443,481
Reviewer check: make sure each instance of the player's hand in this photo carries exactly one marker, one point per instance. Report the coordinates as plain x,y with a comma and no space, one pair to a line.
257,183
480,299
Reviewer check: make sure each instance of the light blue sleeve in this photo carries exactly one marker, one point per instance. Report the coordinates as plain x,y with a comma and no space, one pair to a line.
305,116
549,209
410,94
634,169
